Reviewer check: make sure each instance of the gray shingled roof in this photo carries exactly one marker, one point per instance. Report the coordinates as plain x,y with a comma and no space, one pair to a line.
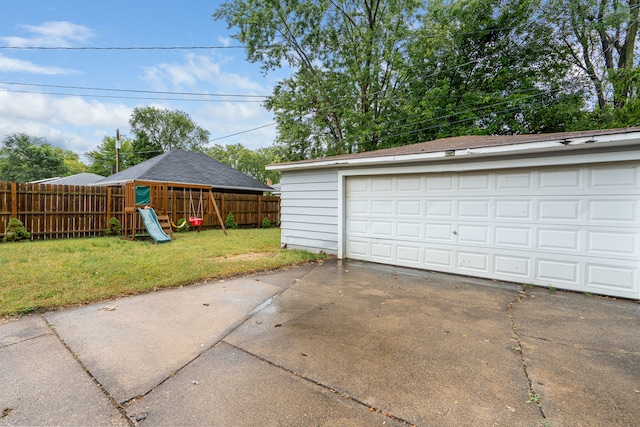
189,168
467,141
84,178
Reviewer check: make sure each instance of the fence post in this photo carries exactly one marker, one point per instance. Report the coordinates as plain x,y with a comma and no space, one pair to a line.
109,205
14,200
259,210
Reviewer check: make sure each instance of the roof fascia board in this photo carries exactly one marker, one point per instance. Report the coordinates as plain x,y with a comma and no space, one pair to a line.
610,140
494,163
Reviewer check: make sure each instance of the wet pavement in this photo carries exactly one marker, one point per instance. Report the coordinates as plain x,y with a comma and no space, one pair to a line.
340,343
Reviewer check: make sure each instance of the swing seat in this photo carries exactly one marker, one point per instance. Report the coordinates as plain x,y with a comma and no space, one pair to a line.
195,221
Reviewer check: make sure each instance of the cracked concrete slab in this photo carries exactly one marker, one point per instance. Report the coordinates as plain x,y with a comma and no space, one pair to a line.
228,387
342,343
429,348
583,357
41,384
132,344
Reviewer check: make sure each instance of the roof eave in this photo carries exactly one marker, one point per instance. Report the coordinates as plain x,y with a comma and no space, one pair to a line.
497,150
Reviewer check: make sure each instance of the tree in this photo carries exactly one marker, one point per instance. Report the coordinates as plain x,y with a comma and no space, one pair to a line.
247,161
164,130
26,158
485,67
72,161
103,158
348,59
601,36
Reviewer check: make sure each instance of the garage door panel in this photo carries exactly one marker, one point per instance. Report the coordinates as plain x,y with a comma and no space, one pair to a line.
616,211
438,258
382,229
439,232
409,230
559,210
614,177
439,209
477,262
565,179
474,234
381,207
516,267
438,183
607,278
614,243
513,236
554,271
474,209
474,182
382,251
568,227
514,181
358,227
409,208
514,210
408,254
556,239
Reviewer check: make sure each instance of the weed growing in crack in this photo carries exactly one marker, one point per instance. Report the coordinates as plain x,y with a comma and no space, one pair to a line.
535,398
551,289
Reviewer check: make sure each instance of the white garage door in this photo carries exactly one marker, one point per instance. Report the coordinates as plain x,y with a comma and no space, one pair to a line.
572,227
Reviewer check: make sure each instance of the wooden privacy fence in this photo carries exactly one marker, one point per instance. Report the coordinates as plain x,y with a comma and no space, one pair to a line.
64,211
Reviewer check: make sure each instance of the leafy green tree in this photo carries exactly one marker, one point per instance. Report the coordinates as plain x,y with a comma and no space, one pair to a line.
164,130
247,161
485,67
72,161
348,62
103,158
26,158
602,38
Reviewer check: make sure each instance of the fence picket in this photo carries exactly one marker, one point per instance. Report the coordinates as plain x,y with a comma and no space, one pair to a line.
51,211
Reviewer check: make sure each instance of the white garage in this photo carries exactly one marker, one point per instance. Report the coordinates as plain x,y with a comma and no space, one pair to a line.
559,210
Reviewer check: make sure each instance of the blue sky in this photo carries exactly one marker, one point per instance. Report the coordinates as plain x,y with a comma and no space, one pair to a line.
78,119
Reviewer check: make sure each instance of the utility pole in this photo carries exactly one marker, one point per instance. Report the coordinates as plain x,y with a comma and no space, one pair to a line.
117,150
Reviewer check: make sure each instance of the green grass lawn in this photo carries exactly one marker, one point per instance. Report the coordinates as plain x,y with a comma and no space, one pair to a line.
48,274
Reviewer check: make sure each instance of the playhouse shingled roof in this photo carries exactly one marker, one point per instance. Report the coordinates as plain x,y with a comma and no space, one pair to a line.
177,166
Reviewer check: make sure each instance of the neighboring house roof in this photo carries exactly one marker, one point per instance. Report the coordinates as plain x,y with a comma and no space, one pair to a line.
84,178
466,145
188,167
277,188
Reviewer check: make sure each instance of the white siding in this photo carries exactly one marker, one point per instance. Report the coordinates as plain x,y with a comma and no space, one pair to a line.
309,210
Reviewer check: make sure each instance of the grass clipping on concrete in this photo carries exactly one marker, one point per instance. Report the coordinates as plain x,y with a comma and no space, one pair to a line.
48,274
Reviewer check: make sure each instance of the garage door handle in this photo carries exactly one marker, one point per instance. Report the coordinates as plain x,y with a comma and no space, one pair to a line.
454,232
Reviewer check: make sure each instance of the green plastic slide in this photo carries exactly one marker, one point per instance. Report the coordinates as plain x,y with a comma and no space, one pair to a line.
152,225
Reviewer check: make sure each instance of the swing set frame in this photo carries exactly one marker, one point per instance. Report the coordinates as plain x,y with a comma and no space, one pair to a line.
171,201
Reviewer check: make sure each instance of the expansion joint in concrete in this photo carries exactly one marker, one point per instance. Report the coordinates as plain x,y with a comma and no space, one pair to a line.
533,397
115,404
326,387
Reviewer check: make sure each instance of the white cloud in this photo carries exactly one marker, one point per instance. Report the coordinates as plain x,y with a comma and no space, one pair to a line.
50,34
196,69
68,122
10,65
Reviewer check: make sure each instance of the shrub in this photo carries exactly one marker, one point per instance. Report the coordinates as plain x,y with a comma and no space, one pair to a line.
15,231
114,229
230,222
266,223
182,225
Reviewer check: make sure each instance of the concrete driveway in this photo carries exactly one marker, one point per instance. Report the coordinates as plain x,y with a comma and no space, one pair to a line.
340,343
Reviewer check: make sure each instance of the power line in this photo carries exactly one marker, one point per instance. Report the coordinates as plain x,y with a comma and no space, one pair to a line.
132,97
244,131
120,48
135,90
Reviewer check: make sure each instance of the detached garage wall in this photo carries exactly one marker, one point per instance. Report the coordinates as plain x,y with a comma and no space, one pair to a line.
309,210
569,220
